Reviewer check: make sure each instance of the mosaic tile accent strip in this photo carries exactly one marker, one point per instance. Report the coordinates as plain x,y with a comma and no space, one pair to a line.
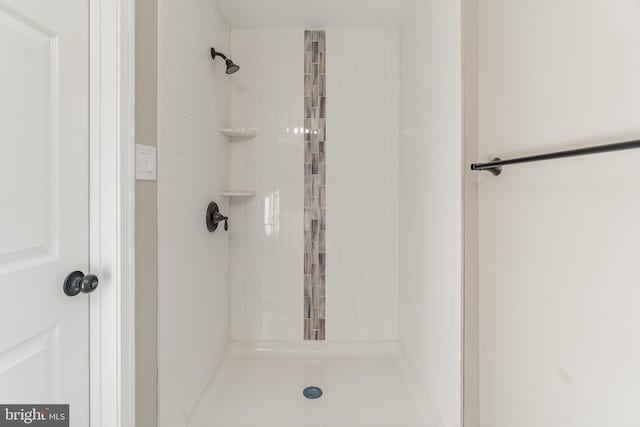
315,190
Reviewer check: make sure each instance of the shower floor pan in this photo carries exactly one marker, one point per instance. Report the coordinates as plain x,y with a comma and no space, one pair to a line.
261,384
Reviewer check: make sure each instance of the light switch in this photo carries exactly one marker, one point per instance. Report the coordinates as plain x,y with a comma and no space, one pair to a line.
145,162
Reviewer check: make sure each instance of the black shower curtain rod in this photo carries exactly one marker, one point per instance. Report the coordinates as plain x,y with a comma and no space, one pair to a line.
495,166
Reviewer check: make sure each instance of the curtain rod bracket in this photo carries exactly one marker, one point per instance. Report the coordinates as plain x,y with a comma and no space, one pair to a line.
495,170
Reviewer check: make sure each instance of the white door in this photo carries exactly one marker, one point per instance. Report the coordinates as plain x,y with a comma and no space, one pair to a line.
44,229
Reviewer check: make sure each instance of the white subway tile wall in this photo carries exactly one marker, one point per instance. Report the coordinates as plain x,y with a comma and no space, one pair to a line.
362,184
193,99
267,231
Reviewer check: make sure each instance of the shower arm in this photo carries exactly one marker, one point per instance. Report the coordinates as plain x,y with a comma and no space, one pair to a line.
215,53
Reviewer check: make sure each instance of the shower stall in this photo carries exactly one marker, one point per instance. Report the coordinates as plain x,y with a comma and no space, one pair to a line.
327,256
325,285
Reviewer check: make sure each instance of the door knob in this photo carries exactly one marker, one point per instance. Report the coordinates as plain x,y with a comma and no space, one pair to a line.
77,282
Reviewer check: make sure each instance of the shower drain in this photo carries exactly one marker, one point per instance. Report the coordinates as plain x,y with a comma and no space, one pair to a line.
312,392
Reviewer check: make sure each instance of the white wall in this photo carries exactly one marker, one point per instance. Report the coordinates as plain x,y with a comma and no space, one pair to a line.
471,398
266,252
363,114
559,334
146,218
267,235
192,170
430,202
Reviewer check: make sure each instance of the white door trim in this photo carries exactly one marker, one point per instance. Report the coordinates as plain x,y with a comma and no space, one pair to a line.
112,197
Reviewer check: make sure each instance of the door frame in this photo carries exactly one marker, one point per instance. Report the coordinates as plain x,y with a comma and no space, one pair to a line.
112,212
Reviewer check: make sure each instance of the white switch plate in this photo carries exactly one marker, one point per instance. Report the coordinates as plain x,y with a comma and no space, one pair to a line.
145,162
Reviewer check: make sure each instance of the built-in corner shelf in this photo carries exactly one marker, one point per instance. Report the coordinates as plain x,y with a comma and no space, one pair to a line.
240,132
238,193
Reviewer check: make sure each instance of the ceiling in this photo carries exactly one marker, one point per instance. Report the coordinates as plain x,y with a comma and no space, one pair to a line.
315,13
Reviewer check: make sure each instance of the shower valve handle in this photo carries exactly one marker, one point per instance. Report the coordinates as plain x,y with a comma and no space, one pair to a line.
221,218
214,217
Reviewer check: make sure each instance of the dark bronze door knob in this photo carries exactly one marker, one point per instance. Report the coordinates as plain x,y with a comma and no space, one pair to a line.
77,282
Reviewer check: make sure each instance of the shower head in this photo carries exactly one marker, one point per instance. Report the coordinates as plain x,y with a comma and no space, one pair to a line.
231,67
